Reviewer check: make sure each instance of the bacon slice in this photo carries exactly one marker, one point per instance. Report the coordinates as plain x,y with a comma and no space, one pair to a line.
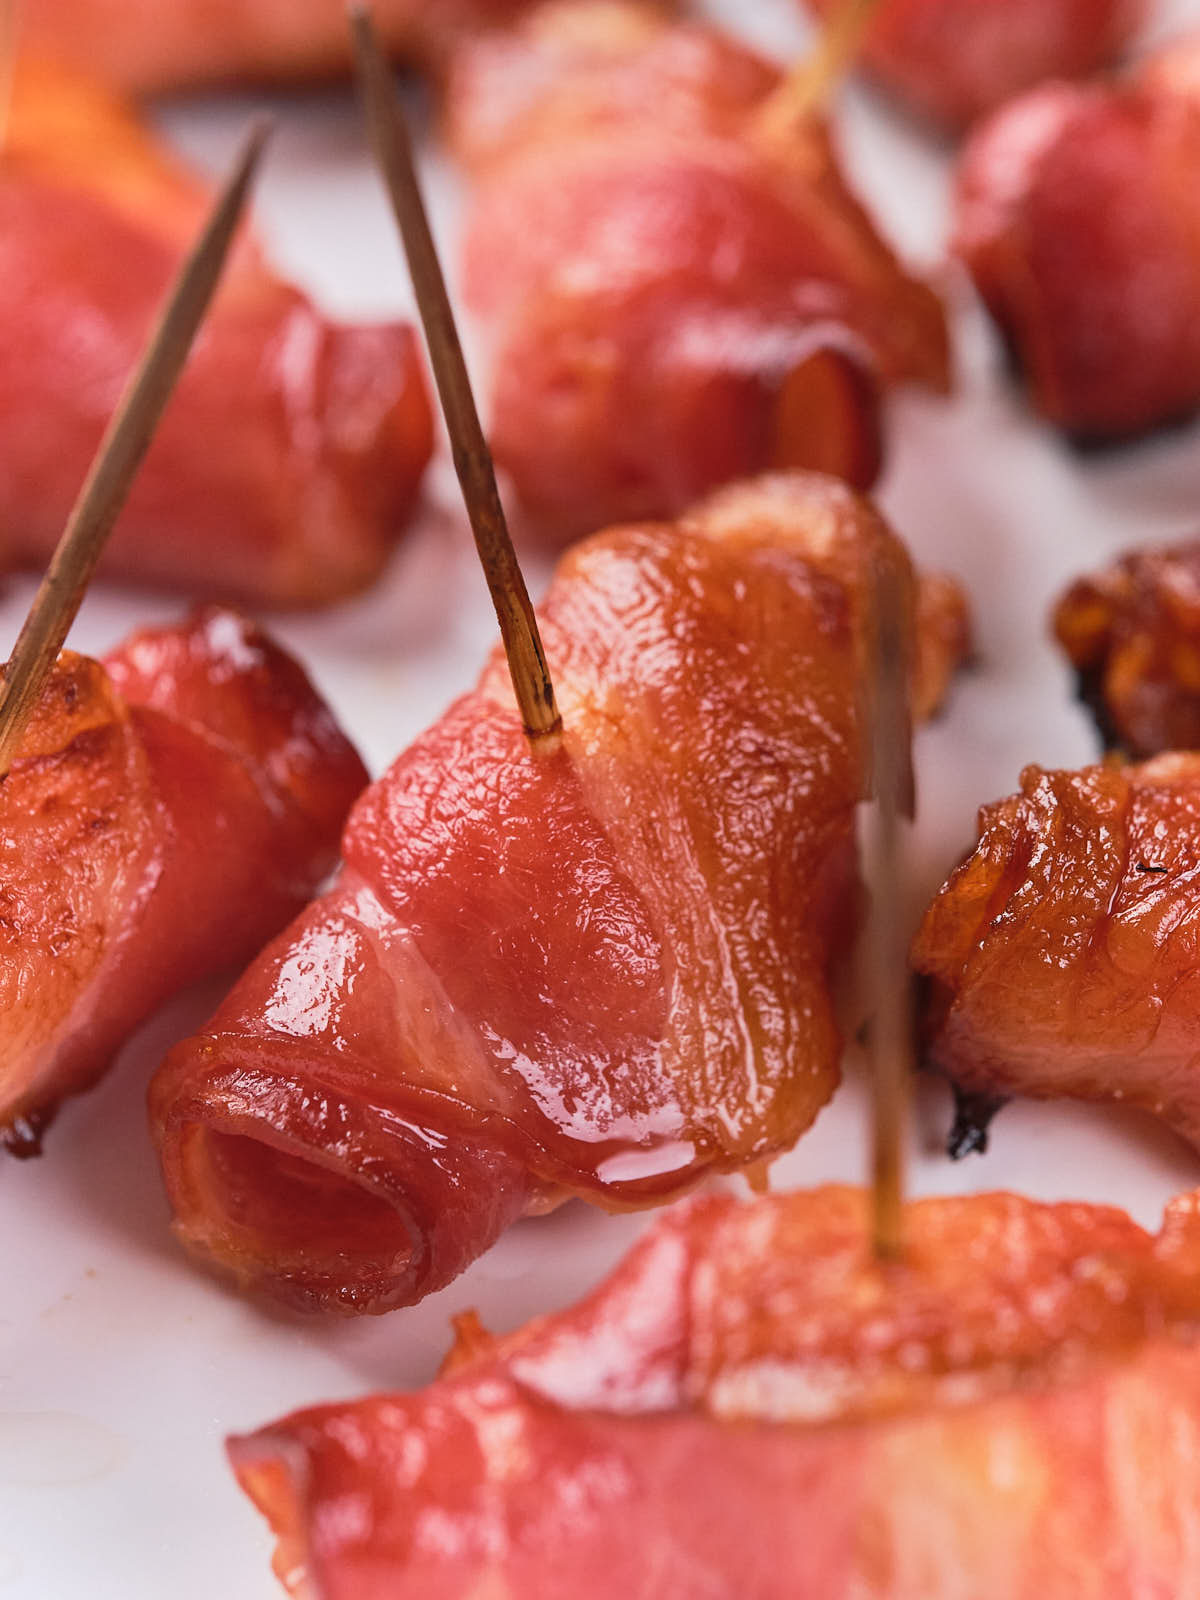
602,972
1078,217
169,810
145,47
1132,633
750,1406
692,268
1061,956
291,454
952,60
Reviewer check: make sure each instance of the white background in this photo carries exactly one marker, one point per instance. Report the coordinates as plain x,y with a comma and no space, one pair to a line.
121,1366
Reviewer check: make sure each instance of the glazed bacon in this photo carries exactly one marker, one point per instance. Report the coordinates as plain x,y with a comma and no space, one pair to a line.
170,808
750,1406
143,46
701,298
289,458
1132,633
952,60
1061,957
1079,219
601,972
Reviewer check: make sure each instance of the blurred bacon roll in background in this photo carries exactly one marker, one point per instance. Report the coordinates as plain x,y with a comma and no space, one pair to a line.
1078,216
143,46
1132,633
678,285
752,1405
603,971
169,809
290,456
952,60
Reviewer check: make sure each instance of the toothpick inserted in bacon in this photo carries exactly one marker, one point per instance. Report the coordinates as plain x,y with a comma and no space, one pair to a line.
1132,633
702,296
169,810
952,60
1062,955
750,1405
1079,220
290,456
602,971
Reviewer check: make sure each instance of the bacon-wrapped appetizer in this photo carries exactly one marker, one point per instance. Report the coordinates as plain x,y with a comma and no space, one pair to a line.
1078,216
1062,956
602,971
291,454
1132,633
169,809
952,60
701,298
751,1406
145,47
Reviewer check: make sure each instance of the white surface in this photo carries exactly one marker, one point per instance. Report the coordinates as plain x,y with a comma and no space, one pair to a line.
121,1367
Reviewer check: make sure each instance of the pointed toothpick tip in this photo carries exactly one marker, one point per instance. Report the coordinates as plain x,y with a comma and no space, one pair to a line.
121,453
886,946
472,459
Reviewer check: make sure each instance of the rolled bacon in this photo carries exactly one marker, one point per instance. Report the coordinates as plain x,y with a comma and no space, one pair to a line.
601,972
145,47
290,456
751,1406
952,60
169,809
702,296
1079,220
1061,957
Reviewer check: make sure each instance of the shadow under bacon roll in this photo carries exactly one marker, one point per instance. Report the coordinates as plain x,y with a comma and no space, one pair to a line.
602,971
168,810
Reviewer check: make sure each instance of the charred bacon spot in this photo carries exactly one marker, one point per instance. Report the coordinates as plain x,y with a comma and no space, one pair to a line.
23,1135
973,1115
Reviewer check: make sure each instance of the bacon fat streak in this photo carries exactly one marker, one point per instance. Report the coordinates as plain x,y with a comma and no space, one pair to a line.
1062,955
290,455
750,1406
601,972
702,297
168,811
952,60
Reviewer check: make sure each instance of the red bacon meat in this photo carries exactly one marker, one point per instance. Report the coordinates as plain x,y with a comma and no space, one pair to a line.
168,811
1061,958
1078,217
750,1406
143,46
679,287
600,972
952,60
289,458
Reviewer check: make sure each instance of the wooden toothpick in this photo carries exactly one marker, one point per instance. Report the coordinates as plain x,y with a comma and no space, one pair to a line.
809,87
121,452
886,944
472,458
